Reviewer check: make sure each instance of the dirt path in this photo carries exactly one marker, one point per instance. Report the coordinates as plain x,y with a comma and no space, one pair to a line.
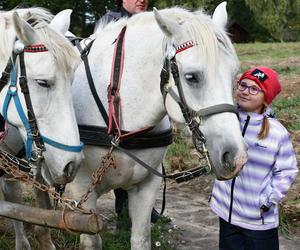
189,209
187,205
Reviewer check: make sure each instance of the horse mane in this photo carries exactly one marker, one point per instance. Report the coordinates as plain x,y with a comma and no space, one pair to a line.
63,52
210,38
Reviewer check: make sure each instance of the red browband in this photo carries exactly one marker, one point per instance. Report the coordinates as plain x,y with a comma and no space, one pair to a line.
185,46
35,48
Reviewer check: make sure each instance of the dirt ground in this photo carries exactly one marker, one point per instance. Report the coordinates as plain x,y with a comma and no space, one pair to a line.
187,205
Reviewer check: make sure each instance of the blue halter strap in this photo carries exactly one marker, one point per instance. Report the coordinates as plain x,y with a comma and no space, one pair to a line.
12,93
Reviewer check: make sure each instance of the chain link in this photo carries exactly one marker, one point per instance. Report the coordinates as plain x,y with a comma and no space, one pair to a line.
107,162
11,164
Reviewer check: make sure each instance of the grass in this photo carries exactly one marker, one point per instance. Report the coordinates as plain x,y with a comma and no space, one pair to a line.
162,237
256,52
279,56
179,154
285,227
287,110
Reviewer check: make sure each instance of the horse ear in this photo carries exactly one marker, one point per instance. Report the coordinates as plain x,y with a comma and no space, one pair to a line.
61,22
168,26
220,16
24,30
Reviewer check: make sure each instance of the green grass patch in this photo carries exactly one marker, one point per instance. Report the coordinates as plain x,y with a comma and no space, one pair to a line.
283,57
7,240
260,51
162,236
285,227
287,110
178,156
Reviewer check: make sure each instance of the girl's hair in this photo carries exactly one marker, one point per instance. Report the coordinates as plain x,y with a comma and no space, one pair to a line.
265,128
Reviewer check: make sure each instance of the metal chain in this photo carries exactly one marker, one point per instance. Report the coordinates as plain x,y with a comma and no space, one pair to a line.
107,162
10,165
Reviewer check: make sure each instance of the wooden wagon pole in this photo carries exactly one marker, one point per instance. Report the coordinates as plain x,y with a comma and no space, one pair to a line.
66,220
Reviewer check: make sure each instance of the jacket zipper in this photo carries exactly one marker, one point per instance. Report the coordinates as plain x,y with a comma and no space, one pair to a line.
233,180
262,218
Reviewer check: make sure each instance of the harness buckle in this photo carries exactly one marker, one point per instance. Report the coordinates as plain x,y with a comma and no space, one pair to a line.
36,155
13,90
115,141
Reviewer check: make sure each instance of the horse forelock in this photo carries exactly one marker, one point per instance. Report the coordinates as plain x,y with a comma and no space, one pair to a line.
211,39
63,52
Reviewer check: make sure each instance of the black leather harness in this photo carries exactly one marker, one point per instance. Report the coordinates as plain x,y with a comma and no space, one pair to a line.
99,136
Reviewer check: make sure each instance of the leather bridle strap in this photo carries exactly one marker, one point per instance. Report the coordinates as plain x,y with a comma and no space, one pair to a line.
202,113
35,133
84,56
192,118
6,73
30,124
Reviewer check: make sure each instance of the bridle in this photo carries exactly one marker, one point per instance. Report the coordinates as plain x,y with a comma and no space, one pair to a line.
33,133
192,117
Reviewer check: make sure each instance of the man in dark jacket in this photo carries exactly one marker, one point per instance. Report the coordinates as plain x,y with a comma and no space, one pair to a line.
126,8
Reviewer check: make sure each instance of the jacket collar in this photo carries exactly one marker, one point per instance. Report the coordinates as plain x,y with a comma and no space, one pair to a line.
255,118
125,12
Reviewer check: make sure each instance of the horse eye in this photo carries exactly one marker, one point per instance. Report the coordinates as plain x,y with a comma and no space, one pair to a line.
191,78
194,78
43,83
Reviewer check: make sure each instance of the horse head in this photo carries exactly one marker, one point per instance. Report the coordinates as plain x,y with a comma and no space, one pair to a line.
33,47
207,64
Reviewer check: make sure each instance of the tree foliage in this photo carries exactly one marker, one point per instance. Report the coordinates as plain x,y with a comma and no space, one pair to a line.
266,20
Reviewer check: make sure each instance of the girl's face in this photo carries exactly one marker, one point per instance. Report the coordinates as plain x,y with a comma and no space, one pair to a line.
250,97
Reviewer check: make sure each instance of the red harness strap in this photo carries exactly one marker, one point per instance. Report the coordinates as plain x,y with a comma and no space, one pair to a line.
114,99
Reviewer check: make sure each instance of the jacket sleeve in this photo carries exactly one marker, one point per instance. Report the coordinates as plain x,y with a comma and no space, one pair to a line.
108,17
284,171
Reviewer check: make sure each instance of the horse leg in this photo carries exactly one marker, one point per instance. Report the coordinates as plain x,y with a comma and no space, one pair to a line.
141,201
12,192
43,234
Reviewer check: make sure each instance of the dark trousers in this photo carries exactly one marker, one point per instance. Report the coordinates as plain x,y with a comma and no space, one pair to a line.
121,201
237,238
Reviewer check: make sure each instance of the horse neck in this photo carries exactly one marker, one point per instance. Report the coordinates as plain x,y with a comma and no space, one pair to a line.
141,100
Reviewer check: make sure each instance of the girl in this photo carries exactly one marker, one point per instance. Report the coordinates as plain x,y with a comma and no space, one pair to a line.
248,204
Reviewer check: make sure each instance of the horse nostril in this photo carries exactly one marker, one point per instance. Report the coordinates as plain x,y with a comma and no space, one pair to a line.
69,169
228,162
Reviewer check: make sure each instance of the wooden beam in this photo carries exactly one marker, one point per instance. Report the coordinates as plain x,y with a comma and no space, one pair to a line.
69,220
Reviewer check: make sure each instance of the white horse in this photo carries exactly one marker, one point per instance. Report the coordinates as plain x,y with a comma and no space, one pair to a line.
206,70
50,63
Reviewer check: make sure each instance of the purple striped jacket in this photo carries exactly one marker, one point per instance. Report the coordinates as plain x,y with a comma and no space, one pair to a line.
264,180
